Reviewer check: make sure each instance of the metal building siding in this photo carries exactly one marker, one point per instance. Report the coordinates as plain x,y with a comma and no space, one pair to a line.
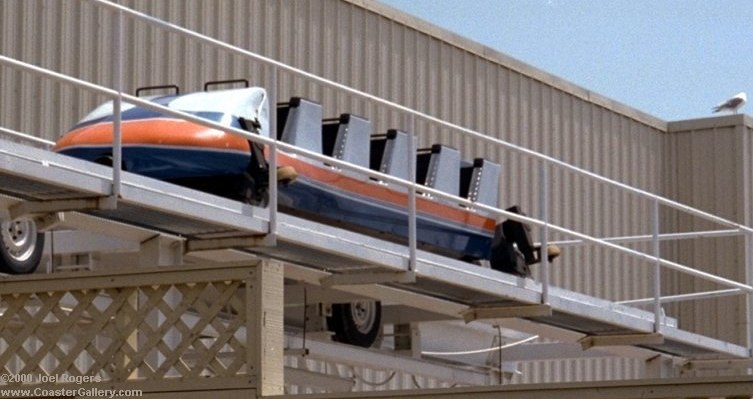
381,51
565,370
708,161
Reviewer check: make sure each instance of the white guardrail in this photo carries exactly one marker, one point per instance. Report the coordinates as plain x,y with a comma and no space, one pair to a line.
118,96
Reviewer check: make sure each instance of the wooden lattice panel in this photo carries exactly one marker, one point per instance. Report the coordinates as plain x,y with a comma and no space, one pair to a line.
135,327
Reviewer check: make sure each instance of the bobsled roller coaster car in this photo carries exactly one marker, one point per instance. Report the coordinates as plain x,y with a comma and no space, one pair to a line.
186,153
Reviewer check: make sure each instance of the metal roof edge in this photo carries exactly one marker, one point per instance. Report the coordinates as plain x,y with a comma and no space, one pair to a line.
507,61
712,122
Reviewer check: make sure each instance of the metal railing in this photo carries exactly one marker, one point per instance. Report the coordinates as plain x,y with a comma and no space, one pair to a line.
35,141
413,188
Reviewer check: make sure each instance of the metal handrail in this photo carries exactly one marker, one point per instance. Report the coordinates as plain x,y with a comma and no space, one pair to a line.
475,134
27,137
683,297
662,237
371,173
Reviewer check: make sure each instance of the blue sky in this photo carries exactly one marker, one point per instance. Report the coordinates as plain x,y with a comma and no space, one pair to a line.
671,59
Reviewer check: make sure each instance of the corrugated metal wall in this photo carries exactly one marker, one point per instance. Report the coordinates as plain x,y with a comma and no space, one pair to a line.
708,163
381,51
568,370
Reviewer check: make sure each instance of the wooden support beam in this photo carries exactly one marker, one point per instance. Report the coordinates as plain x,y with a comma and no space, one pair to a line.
669,388
367,278
49,221
622,339
506,312
33,208
160,251
718,364
229,243
264,328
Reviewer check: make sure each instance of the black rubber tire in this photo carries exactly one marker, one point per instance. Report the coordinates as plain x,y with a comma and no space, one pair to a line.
21,247
106,160
357,323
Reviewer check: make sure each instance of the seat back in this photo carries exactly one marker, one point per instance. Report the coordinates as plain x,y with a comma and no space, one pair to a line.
479,181
389,153
438,167
347,138
299,122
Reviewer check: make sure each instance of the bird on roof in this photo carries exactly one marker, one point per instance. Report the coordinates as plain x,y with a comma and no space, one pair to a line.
733,104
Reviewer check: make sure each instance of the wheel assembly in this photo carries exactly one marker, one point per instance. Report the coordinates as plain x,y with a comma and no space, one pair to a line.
22,246
356,323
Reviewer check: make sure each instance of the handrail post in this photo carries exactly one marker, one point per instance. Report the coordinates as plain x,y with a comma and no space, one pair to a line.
412,241
749,295
544,216
117,139
657,267
272,99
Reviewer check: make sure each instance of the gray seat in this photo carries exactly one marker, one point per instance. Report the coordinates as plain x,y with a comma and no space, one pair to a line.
479,181
347,138
389,153
299,122
438,167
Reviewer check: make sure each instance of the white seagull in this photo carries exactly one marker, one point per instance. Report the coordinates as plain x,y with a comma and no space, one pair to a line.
733,104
